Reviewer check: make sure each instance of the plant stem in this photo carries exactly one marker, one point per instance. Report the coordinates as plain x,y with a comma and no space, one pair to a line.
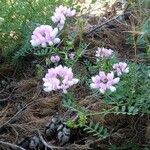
102,113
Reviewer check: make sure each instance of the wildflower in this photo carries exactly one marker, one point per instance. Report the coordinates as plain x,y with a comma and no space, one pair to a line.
60,19
60,26
104,81
59,78
60,15
104,53
121,68
55,59
71,55
44,35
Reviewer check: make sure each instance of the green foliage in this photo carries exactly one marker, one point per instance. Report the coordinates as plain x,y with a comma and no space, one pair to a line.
126,110
22,51
102,64
106,64
143,40
93,1
132,94
42,52
96,130
69,102
79,123
39,71
72,124
79,51
1,21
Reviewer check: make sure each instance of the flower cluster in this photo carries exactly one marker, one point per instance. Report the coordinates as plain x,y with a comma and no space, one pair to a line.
121,68
103,53
60,15
55,58
44,35
72,55
59,78
104,81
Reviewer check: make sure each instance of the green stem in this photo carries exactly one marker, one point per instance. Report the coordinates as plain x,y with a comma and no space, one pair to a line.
102,113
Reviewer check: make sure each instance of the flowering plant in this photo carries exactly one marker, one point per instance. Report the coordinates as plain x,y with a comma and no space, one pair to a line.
44,35
109,72
113,79
47,36
55,58
60,15
103,53
59,78
104,81
121,68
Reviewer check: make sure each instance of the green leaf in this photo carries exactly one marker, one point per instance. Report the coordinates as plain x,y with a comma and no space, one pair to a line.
101,129
135,111
96,126
96,129
130,109
123,108
93,1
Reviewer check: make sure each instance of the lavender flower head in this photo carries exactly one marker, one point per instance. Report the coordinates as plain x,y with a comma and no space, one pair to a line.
103,52
121,68
44,35
59,78
104,81
60,15
55,58
72,55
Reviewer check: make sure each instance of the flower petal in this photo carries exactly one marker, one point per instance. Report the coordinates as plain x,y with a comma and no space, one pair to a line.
112,88
116,80
110,76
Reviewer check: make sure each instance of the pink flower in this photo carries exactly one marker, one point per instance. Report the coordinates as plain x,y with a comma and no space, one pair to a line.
104,81
71,55
55,59
44,35
59,78
60,15
60,19
60,26
104,53
121,68
70,13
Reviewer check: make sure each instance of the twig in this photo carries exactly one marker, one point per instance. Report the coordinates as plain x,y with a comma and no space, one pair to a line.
45,143
1,91
107,22
19,112
15,131
6,99
13,146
